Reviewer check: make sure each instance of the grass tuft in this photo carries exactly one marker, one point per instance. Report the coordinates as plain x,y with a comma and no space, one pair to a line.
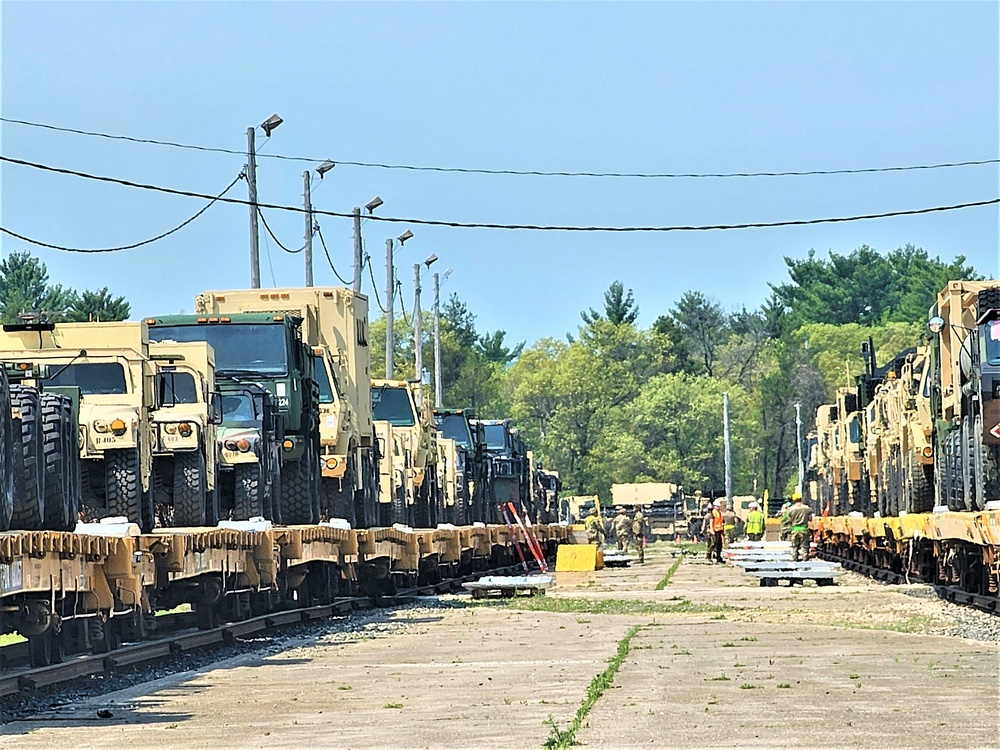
666,579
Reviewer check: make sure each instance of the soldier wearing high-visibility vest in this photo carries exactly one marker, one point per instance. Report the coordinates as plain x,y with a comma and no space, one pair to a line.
729,525
718,525
594,527
755,523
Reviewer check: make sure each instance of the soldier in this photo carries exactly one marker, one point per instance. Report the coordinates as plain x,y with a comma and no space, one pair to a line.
623,530
799,516
718,529
755,523
594,527
706,531
639,532
786,527
729,525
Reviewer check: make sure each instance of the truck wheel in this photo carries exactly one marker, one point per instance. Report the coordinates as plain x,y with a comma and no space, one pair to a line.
248,496
29,505
73,462
921,480
398,506
122,488
298,506
189,489
56,468
7,484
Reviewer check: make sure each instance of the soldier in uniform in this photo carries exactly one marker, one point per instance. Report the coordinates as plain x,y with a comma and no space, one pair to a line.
729,525
639,532
706,531
594,527
799,516
786,528
623,530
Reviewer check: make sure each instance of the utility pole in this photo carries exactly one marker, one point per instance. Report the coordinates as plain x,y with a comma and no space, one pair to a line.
418,338
798,443
437,341
357,250
252,189
309,227
729,467
390,283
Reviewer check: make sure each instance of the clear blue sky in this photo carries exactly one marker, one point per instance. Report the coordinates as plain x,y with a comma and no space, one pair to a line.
624,87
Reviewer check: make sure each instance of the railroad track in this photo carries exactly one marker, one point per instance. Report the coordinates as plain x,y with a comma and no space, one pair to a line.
170,644
984,602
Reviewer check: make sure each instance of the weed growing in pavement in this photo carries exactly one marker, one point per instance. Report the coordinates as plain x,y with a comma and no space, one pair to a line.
911,624
747,686
344,687
729,644
718,617
393,705
853,676
560,739
720,678
572,605
749,638
666,579
784,685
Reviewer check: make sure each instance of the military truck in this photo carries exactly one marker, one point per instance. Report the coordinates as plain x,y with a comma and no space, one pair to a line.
266,349
249,439
411,438
109,364
964,388
186,450
548,486
509,472
472,470
335,327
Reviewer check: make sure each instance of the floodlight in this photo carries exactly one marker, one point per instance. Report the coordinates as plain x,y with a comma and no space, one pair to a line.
325,167
405,236
373,204
430,259
270,124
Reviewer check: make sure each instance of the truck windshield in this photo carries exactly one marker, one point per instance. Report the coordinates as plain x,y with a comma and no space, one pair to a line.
92,378
256,348
392,405
455,426
993,342
237,409
323,381
496,436
177,388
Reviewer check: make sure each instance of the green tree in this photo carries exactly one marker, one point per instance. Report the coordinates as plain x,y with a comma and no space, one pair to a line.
490,347
24,287
619,307
703,327
97,306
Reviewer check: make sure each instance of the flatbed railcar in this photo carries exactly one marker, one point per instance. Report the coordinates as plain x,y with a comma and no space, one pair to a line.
90,590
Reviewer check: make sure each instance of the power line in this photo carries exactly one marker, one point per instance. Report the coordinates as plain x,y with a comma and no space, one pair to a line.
330,260
516,172
371,272
134,245
527,227
273,237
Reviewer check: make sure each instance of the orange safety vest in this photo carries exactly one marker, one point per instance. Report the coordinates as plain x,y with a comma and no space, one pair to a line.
717,521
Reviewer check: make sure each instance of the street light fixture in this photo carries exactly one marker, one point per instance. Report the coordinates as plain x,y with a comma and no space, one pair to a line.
325,167
430,259
407,235
374,203
270,124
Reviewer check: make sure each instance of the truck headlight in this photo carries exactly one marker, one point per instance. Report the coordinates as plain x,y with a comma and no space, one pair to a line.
118,427
184,428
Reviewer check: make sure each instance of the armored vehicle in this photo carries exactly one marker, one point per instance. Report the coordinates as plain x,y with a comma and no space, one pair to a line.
509,470
185,451
268,350
472,469
250,438
108,363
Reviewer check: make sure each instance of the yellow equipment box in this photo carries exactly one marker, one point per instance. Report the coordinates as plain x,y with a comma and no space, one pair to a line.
578,557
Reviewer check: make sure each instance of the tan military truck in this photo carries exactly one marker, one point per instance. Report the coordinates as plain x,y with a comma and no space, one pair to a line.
185,450
335,327
109,363
414,445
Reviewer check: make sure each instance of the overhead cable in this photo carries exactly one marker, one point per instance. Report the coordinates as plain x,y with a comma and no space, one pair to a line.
516,172
529,227
371,272
273,237
134,245
329,260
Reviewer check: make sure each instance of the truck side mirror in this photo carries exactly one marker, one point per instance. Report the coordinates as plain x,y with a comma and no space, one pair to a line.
215,408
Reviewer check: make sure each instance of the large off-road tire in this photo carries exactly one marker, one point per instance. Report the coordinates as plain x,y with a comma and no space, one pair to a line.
29,505
74,462
399,506
921,481
366,499
338,495
190,506
7,447
248,492
57,469
298,502
123,487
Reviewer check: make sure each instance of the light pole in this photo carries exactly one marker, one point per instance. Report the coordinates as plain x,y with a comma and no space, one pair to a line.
798,443
437,338
370,207
321,170
267,126
418,320
390,284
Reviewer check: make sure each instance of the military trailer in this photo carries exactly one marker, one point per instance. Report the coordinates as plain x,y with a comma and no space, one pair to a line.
108,363
335,328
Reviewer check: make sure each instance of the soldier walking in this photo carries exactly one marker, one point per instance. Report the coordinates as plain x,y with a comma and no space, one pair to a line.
718,525
623,529
729,525
799,516
755,523
706,532
594,527
785,533
639,532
